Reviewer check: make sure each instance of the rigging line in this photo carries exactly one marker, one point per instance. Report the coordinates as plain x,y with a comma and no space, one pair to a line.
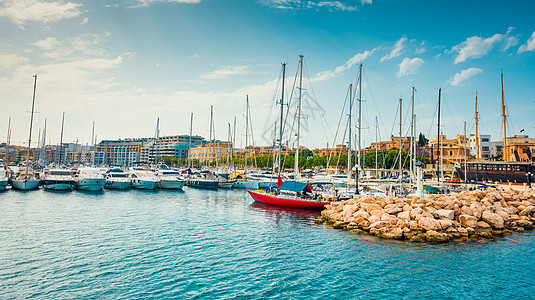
520,93
321,110
432,122
267,122
338,127
394,122
455,127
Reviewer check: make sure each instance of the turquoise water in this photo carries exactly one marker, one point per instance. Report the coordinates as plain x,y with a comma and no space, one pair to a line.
219,244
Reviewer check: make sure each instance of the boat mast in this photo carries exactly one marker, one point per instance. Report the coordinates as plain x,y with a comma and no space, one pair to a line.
505,154
477,132
246,131
93,135
211,141
349,142
233,143
296,165
465,151
413,135
282,108
43,144
439,156
31,124
8,138
376,145
189,142
400,144
61,139
359,165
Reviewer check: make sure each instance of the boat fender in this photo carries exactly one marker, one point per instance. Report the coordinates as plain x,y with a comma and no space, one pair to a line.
259,191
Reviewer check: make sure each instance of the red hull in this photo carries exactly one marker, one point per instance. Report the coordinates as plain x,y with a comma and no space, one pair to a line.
287,202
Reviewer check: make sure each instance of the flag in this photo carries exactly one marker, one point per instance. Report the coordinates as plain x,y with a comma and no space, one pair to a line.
279,181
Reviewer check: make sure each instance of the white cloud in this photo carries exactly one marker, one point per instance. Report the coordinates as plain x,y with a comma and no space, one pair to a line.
458,78
227,72
366,1
22,11
8,61
409,66
398,47
357,58
311,4
194,56
149,2
529,45
477,47
86,44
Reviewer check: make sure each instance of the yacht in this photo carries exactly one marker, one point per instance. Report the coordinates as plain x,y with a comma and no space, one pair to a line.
170,179
117,179
143,179
58,180
25,179
89,179
4,179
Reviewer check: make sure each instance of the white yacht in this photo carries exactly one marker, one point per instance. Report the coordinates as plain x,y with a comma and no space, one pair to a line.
25,179
89,179
170,179
58,180
117,179
4,179
143,179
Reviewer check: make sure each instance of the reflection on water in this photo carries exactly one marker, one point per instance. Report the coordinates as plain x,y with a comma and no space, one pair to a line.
220,244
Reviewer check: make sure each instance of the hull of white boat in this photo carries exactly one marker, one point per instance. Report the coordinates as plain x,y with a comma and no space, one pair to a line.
58,186
3,184
172,184
118,185
144,184
249,185
90,184
25,185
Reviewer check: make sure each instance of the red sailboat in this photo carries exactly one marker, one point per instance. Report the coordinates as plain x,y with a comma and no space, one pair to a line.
292,194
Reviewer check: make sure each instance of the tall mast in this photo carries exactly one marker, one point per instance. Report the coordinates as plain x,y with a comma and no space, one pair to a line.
477,132
282,109
246,131
439,155
412,152
189,142
61,139
93,135
400,144
31,123
349,138
43,145
464,140
296,165
359,165
211,140
505,154
376,144
8,139
233,143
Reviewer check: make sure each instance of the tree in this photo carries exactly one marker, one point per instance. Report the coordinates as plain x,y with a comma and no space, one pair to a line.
422,140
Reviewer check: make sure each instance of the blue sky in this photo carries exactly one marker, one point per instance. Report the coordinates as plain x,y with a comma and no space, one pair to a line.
125,63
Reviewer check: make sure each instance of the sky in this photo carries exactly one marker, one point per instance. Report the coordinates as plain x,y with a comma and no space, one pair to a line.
124,64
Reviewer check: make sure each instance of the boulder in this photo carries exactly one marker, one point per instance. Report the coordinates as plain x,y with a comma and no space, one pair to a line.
371,207
467,221
436,237
379,224
466,210
483,225
527,211
404,215
393,209
445,223
445,214
492,219
428,223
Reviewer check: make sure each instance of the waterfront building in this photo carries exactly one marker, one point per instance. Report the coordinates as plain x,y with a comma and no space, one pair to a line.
210,152
122,152
336,151
486,148
451,151
520,148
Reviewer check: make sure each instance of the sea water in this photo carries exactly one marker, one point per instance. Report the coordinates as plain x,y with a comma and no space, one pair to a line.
220,244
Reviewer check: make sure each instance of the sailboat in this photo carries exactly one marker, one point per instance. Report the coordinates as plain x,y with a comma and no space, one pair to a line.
244,182
27,179
292,194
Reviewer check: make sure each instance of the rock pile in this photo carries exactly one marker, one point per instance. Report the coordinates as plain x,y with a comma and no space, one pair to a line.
436,218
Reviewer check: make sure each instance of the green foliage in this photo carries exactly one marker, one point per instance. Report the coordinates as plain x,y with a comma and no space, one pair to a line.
422,140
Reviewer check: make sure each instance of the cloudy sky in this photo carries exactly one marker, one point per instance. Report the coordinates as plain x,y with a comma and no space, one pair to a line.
123,64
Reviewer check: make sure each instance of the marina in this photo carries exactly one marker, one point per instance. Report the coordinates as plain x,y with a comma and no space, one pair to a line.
208,244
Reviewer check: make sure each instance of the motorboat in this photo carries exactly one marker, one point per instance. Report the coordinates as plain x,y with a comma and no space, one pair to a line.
170,179
143,179
203,180
89,179
58,179
117,179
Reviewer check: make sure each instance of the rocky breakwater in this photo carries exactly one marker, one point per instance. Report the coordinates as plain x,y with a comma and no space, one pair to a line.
436,218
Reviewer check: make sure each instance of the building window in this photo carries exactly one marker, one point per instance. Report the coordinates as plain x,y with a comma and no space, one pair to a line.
484,140
484,148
